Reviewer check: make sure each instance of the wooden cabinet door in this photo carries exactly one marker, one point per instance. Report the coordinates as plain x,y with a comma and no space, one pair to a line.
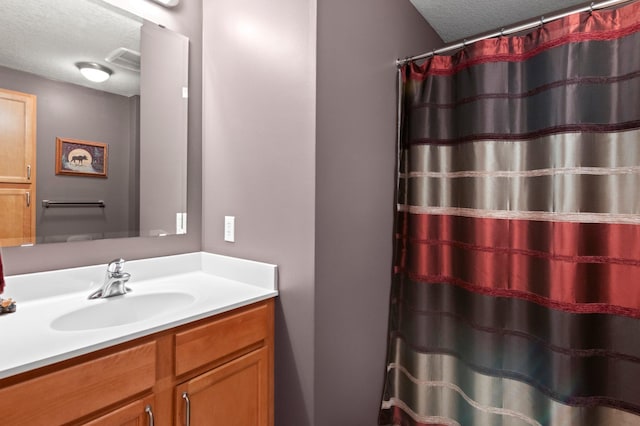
17,137
138,413
17,222
17,168
234,394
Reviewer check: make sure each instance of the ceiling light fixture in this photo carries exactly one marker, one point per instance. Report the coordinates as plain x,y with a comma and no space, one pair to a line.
168,3
93,71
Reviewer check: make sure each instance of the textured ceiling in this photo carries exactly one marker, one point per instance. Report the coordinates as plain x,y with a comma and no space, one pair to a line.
47,38
455,20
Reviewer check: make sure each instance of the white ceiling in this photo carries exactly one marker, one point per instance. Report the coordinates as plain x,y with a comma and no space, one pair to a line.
47,38
455,20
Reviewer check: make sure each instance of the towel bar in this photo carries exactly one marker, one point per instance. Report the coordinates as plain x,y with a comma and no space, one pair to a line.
49,203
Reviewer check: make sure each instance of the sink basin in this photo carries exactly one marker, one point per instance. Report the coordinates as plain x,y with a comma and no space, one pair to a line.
121,310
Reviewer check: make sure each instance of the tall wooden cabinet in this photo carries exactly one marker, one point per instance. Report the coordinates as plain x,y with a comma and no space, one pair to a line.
17,167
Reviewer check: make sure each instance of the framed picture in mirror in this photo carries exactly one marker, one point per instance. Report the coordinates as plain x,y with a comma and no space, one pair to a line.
81,158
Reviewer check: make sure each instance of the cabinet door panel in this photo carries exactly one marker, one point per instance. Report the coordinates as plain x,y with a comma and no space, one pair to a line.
234,394
17,137
133,414
16,217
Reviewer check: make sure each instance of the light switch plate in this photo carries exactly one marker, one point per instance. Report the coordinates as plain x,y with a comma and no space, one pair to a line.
181,223
230,229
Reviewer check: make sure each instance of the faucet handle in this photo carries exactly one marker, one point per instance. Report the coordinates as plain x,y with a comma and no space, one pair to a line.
115,266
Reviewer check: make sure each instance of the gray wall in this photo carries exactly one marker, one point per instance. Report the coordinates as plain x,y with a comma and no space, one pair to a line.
355,163
259,151
134,161
71,111
186,19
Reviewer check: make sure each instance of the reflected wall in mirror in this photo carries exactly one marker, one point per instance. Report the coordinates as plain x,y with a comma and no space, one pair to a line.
140,112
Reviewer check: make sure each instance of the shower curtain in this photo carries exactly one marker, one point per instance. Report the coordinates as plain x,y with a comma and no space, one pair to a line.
515,295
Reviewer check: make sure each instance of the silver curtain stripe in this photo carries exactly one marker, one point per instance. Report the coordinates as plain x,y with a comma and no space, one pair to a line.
439,420
632,219
488,396
561,152
484,175
512,30
561,194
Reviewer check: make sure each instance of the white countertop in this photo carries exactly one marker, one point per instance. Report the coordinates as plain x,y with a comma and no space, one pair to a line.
217,284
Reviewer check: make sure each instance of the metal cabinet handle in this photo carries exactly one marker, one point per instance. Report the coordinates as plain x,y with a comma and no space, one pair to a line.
29,172
185,396
28,199
149,412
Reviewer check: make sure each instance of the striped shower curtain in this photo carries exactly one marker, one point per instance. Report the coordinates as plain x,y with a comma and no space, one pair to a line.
516,286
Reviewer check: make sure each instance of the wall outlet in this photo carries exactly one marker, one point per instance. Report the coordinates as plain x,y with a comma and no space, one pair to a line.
230,229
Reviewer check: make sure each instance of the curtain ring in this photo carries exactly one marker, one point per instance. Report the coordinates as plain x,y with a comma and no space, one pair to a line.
502,32
464,43
591,8
542,21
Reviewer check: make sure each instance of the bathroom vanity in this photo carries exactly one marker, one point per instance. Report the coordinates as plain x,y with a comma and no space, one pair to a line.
208,360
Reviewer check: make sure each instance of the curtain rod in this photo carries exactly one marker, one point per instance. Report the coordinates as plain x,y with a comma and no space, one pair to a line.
512,30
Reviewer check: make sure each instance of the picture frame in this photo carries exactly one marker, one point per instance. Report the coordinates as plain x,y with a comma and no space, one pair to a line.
81,158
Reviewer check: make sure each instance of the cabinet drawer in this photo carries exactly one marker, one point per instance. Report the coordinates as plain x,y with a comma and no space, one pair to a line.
208,343
77,391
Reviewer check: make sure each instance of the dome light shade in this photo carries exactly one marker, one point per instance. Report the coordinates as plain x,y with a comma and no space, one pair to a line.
168,3
93,71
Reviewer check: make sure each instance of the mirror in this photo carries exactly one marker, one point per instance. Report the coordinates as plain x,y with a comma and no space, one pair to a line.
81,160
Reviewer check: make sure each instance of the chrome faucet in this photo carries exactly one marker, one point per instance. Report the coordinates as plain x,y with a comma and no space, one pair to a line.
114,281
